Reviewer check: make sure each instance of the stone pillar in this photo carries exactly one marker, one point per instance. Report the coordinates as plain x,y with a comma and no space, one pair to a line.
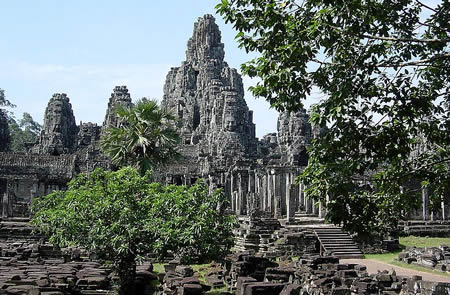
236,202
251,182
232,189
320,209
5,205
277,182
239,198
302,196
315,209
210,185
443,209
269,193
290,199
264,189
252,202
258,193
425,203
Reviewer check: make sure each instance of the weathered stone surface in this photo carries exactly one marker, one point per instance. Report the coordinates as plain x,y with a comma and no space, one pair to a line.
436,258
294,136
58,135
208,97
119,96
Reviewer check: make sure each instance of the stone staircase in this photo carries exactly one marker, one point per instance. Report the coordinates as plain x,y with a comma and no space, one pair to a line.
335,242
437,228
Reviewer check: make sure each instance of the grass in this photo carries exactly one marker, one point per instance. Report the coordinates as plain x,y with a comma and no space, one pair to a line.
158,267
411,241
200,271
421,242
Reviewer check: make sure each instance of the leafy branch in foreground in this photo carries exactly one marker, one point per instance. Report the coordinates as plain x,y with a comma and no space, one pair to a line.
123,217
383,69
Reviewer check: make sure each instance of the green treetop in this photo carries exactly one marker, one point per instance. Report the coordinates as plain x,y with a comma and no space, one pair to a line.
383,69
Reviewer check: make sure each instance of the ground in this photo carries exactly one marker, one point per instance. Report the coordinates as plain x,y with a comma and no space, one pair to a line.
375,262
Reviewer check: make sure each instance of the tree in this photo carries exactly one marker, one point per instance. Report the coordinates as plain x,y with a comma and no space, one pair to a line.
26,131
3,101
383,68
146,137
122,216
5,137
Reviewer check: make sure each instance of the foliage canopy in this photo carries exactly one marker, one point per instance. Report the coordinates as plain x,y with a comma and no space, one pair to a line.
383,68
122,217
23,131
145,138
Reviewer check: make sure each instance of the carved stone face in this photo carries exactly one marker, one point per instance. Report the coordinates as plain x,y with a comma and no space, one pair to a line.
230,124
54,117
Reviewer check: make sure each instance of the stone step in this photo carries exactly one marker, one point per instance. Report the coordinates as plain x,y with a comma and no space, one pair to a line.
349,255
340,249
337,242
334,245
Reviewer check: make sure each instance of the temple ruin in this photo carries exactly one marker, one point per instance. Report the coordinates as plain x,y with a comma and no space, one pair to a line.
218,144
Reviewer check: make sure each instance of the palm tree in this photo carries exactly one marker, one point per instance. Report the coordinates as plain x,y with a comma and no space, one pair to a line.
145,138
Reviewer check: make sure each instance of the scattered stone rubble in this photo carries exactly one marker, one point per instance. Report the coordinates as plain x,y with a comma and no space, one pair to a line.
247,274
30,265
437,258
265,236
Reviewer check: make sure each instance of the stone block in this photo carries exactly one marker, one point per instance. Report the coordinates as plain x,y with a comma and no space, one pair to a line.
292,289
184,271
263,288
191,289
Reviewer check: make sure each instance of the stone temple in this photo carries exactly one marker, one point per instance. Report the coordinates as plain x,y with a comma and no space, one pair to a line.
218,141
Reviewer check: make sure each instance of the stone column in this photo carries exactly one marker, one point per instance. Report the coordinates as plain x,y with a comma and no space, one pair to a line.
5,205
252,202
236,202
320,209
232,189
251,182
302,196
260,190
269,193
290,199
239,195
443,210
264,188
425,203
309,204
277,209
315,209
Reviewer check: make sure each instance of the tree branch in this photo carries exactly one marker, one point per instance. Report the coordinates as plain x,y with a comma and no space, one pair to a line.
426,6
410,40
421,62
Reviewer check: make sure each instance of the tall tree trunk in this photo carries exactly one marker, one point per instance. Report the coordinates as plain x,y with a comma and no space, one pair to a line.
127,274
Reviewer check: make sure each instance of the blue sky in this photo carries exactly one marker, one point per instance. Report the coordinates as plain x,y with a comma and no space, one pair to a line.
85,48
